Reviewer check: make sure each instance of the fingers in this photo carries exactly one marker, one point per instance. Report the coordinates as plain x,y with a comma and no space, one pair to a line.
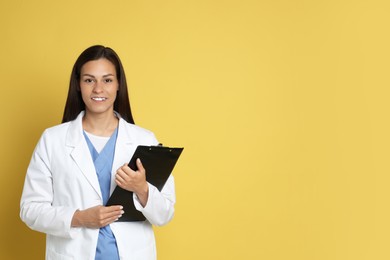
131,180
125,170
97,217
140,166
120,177
124,176
112,211
101,216
111,214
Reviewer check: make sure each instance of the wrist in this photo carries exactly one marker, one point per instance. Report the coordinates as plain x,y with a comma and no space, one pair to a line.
143,194
76,220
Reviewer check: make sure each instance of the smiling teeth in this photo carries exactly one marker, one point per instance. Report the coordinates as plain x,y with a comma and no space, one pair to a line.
99,99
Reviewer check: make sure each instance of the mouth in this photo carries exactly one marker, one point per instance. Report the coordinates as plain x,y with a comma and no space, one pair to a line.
99,98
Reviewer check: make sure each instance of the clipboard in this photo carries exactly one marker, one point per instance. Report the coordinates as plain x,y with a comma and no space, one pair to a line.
158,162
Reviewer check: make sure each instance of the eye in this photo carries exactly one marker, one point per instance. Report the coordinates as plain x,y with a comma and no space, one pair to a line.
88,80
108,80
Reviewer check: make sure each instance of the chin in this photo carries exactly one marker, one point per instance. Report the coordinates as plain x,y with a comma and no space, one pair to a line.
100,110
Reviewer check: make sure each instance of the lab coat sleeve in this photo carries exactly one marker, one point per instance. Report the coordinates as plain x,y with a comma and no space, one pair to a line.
36,208
159,209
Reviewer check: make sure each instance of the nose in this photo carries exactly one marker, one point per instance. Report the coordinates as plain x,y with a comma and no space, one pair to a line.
98,87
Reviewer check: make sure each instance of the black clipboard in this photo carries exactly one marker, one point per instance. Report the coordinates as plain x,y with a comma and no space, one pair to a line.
158,162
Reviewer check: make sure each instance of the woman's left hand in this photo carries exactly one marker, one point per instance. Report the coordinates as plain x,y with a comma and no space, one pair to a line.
134,181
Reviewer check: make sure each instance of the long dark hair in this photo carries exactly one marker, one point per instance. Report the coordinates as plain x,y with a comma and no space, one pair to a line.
75,104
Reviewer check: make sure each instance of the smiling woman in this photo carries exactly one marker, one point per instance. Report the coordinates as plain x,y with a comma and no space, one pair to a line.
99,86
77,164
92,58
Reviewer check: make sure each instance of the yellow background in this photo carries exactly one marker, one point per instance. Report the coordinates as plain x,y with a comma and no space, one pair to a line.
282,107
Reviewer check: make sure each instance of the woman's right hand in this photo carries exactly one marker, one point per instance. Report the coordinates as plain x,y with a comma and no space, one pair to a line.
96,217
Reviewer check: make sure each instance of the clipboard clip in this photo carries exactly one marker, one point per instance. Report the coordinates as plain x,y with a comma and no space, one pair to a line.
161,146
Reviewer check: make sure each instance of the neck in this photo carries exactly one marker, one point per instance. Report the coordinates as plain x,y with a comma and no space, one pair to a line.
100,125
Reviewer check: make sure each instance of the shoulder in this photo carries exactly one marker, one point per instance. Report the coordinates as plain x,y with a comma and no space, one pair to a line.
51,139
70,128
138,129
56,130
54,136
138,133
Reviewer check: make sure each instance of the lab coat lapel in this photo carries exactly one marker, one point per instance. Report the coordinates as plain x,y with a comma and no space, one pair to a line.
81,154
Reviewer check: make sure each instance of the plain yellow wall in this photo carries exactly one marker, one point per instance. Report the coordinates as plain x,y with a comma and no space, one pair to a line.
282,107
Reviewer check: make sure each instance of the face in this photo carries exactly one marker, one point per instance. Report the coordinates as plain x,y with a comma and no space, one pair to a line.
99,86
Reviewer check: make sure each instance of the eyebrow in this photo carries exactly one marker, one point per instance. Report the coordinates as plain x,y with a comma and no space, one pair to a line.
92,76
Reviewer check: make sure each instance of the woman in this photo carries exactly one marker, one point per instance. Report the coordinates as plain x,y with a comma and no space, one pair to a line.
77,164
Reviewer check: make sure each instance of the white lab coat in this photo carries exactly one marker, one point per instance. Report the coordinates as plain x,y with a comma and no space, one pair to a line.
61,178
